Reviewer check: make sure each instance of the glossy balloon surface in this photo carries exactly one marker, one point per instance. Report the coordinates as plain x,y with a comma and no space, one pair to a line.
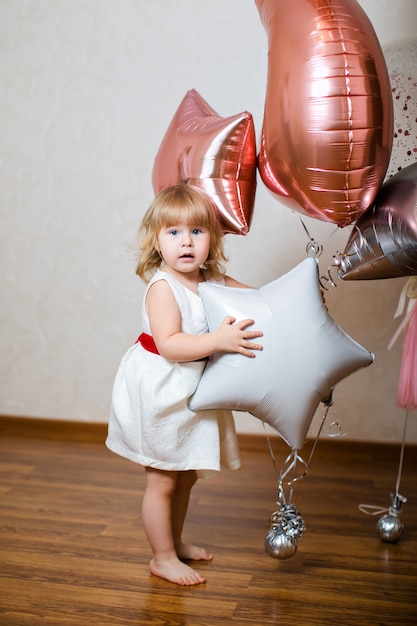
216,154
328,117
383,242
305,353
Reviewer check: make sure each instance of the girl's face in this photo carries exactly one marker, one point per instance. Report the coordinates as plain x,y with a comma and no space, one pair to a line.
184,248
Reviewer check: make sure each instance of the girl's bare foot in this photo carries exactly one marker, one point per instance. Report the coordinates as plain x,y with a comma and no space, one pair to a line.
177,572
188,552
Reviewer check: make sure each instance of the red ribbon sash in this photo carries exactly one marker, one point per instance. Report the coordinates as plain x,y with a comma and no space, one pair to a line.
147,342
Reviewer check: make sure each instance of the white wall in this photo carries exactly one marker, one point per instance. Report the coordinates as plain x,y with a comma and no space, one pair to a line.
88,88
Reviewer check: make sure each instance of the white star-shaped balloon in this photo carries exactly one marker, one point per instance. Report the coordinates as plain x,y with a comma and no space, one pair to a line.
305,353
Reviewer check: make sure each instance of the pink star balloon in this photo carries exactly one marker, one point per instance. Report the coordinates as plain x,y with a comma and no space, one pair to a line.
216,154
328,117
305,353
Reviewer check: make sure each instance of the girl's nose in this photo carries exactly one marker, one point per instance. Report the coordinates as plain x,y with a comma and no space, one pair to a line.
187,240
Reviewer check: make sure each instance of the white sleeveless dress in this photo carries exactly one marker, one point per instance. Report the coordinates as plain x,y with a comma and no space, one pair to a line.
150,421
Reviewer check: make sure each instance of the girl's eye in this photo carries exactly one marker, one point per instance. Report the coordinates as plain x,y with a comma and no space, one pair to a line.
173,231
196,231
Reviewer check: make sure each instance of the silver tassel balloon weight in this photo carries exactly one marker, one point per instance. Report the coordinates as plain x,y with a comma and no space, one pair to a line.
389,526
287,525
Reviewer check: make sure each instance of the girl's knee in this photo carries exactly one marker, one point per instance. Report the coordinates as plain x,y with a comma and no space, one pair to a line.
161,480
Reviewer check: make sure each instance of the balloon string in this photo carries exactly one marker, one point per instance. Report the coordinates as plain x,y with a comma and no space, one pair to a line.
329,403
339,260
370,509
295,456
323,419
282,475
306,229
400,328
327,278
291,464
398,499
270,448
313,248
400,468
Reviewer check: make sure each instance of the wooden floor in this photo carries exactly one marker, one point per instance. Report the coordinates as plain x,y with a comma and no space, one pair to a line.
73,552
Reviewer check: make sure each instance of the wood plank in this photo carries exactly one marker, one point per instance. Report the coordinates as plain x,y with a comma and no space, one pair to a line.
73,551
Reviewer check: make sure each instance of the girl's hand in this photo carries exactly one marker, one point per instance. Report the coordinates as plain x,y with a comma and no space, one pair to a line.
232,336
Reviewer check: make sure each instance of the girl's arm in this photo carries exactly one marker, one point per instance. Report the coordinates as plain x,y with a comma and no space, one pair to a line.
174,345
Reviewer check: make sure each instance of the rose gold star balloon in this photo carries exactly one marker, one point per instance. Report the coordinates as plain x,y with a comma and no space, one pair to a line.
328,118
383,243
216,154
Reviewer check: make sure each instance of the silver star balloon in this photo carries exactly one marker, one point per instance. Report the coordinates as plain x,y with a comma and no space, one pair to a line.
305,353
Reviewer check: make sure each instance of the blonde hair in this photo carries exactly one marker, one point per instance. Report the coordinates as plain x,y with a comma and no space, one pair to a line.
172,205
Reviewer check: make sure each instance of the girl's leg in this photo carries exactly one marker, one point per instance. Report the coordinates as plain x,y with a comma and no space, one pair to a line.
181,498
157,521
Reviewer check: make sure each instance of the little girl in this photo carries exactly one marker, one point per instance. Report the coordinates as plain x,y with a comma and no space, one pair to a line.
181,245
